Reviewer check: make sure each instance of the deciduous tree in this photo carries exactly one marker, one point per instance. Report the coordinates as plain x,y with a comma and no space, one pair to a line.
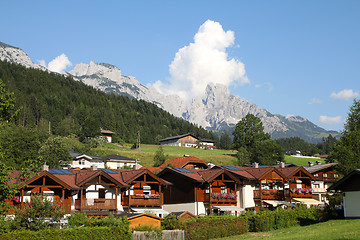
248,131
347,150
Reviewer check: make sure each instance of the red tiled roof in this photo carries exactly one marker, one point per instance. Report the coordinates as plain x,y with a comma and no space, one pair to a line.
240,172
182,162
154,170
289,171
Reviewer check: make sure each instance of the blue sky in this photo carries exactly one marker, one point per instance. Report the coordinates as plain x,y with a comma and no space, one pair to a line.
298,57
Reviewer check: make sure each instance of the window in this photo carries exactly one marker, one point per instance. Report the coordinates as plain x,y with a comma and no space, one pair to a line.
316,185
147,190
207,189
316,175
325,175
223,189
82,162
48,195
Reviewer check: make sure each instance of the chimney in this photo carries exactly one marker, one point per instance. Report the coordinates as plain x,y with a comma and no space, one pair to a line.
318,162
93,167
136,166
256,165
311,164
45,167
282,165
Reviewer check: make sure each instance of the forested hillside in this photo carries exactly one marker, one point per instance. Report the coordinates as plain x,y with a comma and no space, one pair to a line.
68,105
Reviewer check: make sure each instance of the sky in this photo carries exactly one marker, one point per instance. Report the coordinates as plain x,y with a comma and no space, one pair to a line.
294,58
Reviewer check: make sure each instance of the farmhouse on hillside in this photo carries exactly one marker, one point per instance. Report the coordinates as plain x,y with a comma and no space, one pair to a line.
187,140
108,135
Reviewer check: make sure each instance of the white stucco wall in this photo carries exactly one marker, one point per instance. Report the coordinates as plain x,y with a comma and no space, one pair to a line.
190,207
352,204
246,194
118,165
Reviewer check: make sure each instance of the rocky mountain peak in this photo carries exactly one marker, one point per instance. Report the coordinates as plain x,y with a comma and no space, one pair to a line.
216,110
16,55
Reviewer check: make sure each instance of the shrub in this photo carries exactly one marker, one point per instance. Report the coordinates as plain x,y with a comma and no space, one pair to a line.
39,214
84,233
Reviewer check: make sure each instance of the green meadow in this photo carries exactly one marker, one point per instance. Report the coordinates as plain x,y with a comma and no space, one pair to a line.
334,229
147,152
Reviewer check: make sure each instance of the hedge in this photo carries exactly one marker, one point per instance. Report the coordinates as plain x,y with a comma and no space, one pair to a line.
85,233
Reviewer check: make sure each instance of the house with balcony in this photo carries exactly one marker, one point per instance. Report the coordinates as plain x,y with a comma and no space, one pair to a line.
53,185
145,192
325,176
94,191
200,191
299,188
262,186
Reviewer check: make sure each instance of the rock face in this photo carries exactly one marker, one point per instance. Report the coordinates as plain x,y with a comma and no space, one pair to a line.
217,110
17,55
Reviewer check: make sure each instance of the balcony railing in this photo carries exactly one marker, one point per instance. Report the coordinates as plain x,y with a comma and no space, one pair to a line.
99,204
299,193
319,190
269,194
141,201
218,198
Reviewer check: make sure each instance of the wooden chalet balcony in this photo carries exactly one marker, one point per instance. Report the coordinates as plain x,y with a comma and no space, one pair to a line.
99,204
319,190
269,194
298,194
141,201
221,200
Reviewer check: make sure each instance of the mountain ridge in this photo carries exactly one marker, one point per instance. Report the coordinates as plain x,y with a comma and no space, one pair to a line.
218,110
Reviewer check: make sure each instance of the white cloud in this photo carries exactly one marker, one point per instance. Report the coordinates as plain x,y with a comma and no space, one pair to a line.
202,62
314,101
59,64
345,94
330,120
267,85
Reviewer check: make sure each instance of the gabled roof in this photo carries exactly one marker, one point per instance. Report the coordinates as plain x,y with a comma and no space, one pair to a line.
290,171
198,175
130,175
343,184
177,137
259,173
319,167
237,171
210,174
67,181
82,155
107,132
182,161
206,140
118,157
84,176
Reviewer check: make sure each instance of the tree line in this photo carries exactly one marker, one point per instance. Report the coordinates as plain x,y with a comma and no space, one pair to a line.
66,107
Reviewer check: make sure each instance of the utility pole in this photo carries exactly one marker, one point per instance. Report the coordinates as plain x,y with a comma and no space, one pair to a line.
139,144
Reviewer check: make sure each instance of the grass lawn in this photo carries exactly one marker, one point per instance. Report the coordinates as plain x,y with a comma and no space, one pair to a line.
334,229
301,161
147,153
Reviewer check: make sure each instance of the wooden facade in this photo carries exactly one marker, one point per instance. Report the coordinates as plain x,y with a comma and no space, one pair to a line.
209,186
146,190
